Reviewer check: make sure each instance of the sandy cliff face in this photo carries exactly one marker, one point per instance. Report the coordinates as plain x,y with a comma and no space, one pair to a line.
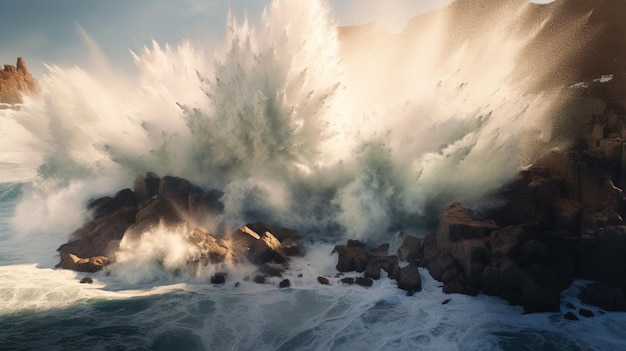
15,81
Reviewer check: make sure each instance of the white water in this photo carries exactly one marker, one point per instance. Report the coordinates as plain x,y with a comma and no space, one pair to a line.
287,123
299,132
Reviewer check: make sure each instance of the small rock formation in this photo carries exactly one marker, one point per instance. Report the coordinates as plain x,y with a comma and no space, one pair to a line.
172,202
15,81
354,256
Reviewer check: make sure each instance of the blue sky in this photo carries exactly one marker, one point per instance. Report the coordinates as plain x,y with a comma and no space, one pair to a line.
47,31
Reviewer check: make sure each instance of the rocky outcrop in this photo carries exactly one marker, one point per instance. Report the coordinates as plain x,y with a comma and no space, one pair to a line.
562,219
15,81
173,202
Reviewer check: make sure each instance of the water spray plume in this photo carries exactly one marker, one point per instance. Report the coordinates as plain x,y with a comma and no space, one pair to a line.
334,131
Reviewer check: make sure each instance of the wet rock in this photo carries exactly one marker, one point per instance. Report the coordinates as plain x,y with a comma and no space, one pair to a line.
411,249
380,251
323,280
259,279
351,257
586,313
348,280
258,247
79,264
284,284
570,316
218,278
372,270
147,187
409,278
446,301
86,280
364,281
272,270
570,306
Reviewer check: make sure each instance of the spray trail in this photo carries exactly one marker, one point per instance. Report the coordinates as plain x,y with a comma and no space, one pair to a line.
350,132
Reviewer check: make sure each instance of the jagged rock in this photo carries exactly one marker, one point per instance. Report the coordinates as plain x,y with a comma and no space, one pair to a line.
211,250
284,284
172,202
289,238
570,316
90,264
86,280
258,247
15,81
513,262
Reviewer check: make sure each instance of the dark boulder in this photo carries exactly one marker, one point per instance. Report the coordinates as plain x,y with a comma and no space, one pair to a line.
347,280
372,270
411,249
351,257
364,281
323,280
218,278
409,278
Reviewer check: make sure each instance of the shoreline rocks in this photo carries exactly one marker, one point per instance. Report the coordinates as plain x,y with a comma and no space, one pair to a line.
173,202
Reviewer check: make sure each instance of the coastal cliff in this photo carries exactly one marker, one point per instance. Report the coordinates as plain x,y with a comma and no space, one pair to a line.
16,81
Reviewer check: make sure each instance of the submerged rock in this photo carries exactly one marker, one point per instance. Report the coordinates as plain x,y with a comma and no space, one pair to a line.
284,284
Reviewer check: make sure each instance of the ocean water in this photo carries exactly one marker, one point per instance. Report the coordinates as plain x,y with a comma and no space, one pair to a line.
298,130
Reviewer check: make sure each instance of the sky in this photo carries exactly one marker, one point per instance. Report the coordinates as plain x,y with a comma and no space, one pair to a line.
49,31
